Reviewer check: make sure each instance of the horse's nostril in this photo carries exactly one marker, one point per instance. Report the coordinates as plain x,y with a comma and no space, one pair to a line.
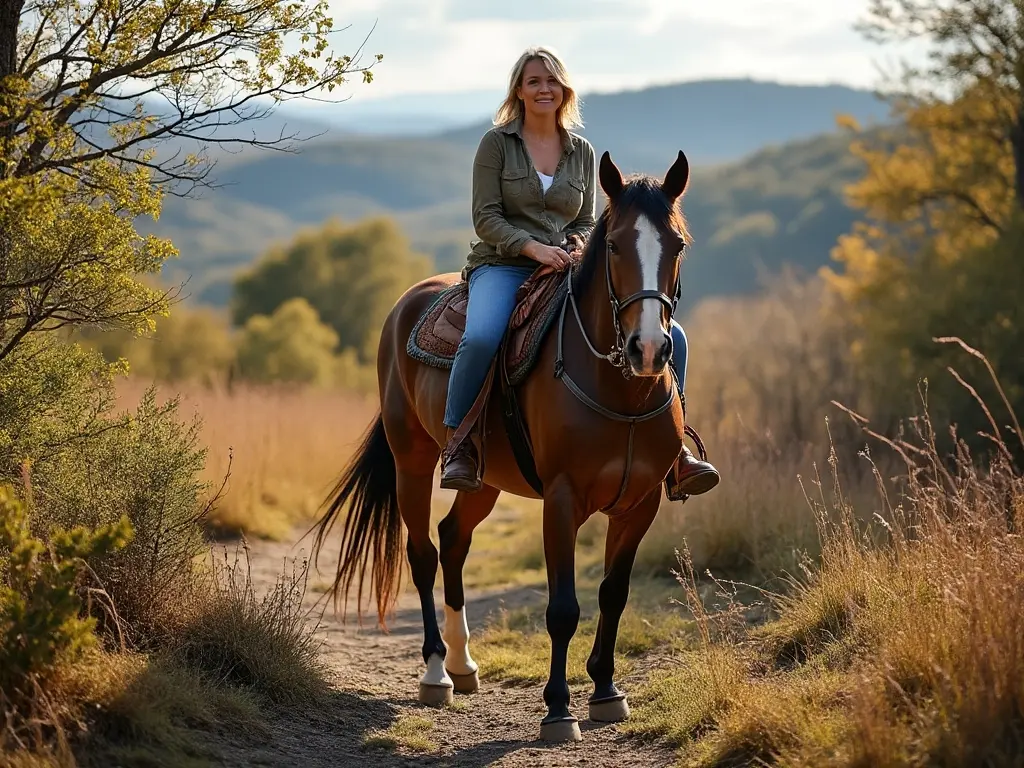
633,346
666,347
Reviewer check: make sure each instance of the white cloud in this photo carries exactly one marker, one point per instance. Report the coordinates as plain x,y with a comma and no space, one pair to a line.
439,46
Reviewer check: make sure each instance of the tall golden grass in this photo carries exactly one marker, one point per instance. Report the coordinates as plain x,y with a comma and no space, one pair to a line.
903,647
275,450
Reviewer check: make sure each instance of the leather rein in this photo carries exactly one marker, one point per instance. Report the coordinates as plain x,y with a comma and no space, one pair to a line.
616,357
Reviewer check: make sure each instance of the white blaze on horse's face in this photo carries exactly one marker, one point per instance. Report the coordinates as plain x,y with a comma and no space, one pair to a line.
651,333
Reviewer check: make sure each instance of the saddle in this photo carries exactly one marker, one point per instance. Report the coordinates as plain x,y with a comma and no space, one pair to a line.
435,339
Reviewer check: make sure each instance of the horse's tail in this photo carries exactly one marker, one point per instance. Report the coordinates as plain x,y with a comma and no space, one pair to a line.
373,527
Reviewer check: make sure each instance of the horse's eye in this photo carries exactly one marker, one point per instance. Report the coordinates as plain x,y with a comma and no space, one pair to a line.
611,247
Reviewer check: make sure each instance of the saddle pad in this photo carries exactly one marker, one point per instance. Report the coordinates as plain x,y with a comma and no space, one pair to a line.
435,338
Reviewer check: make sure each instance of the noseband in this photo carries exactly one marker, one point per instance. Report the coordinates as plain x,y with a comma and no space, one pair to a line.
616,357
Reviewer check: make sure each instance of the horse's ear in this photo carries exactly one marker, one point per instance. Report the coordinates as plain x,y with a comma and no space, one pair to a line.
611,178
677,178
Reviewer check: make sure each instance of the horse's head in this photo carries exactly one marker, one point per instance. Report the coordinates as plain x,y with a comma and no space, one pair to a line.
645,239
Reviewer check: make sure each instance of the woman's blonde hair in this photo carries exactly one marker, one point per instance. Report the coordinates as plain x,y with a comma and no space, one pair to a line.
568,116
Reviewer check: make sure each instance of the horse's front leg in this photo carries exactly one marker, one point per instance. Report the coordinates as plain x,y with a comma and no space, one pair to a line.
562,519
625,532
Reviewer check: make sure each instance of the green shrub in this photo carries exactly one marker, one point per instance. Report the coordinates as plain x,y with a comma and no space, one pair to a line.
40,603
91,465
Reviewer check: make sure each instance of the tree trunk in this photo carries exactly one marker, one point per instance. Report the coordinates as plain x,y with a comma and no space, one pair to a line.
10,16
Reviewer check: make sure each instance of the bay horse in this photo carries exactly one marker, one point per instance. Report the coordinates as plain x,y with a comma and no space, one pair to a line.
604,427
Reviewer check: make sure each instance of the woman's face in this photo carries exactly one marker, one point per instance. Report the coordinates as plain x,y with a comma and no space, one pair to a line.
540,91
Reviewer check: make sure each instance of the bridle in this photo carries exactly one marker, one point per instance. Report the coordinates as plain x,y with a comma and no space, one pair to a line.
617,357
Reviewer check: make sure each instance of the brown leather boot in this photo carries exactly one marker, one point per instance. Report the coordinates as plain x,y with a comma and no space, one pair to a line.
460,467
690,476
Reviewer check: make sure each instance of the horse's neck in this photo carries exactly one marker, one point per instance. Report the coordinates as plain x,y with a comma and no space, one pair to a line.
616,391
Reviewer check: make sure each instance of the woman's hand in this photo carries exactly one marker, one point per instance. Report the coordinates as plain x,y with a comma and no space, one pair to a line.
548,255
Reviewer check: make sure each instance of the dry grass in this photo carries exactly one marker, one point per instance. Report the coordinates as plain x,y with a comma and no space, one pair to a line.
130,709
262,643
902,649
280,449
516,647
409,733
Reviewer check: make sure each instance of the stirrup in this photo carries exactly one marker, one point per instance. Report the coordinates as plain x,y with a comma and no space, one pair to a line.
672,478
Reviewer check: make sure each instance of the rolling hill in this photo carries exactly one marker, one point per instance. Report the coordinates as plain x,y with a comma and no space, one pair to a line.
781,203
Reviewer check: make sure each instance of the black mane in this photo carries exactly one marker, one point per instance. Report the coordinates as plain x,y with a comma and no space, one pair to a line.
641,192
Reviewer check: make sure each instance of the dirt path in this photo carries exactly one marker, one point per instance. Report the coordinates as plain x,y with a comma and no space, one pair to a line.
376,677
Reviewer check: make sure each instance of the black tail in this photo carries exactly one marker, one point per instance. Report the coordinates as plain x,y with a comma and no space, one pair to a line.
373,527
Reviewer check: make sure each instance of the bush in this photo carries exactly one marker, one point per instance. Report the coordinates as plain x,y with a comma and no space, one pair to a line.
90,465
40,599
261,643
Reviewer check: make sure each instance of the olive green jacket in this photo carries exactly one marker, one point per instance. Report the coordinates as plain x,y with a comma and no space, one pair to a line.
509,204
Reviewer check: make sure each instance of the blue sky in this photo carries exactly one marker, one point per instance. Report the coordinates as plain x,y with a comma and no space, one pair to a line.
449,46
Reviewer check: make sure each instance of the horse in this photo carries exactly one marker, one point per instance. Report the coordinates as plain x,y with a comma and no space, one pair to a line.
604,429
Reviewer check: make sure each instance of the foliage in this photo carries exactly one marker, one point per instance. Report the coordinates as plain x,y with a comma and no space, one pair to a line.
191,344
82,136
942,214
977,47
351,276
40,603
291,345
145,465
90,465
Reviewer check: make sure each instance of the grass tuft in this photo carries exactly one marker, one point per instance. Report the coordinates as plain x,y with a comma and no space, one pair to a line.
516,647
409,732
261,642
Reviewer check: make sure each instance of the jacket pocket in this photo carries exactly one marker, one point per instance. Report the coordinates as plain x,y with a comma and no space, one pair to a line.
573,197
514,183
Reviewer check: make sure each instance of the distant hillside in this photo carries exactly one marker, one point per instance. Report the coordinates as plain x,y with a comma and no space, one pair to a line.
713,121
779,204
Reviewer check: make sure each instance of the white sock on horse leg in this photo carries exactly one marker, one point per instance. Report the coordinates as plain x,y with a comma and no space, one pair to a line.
456,637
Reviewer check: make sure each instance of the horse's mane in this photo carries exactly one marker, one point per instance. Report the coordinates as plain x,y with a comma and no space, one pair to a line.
642,192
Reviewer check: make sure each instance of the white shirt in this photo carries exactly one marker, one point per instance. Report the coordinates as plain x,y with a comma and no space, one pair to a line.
545,180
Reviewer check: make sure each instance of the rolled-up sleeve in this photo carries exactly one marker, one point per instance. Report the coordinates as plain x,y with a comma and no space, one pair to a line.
488,212
585,220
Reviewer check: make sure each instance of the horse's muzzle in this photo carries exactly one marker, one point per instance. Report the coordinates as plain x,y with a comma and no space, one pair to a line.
648,357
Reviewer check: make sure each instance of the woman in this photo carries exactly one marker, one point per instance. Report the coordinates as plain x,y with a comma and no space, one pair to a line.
534,192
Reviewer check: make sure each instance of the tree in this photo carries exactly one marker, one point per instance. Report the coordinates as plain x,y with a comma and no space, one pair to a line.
291,345
977,47
351,275
935,254
98,101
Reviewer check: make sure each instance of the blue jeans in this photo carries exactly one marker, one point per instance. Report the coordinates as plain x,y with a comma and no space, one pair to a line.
492,299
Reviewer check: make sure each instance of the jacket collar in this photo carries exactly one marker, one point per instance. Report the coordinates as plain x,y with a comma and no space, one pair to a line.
515,127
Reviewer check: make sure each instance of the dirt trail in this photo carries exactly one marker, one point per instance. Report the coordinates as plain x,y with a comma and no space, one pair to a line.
376,677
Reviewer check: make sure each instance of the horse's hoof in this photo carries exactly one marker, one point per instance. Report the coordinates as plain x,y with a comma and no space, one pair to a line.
436,695
562,729
611,710
465,683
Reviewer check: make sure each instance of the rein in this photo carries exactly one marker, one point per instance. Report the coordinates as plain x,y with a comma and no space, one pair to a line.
616,357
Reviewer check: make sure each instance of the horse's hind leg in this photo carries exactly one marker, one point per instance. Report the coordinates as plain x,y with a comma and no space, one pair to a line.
455,533
416,456
625,532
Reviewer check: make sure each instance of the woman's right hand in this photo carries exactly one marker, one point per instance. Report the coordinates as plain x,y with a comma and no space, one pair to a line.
548,255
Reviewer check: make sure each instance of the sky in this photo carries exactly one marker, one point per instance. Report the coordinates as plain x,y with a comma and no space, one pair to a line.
434,47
